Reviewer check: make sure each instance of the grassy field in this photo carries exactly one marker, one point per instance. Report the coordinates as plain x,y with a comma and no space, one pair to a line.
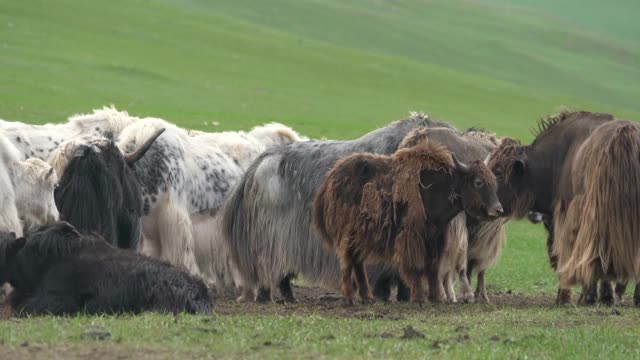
332,69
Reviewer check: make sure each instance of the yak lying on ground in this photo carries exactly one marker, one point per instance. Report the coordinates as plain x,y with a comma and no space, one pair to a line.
56,270
267,216
99,192
472,244
538,177
396,209
597,230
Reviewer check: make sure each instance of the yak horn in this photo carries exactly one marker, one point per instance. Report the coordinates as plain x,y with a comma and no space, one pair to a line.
460,166
138,154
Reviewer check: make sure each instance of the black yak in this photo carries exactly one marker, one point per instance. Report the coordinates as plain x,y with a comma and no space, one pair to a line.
537,178
56,270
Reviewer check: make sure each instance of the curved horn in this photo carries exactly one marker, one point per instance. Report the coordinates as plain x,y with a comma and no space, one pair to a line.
138,154
463,168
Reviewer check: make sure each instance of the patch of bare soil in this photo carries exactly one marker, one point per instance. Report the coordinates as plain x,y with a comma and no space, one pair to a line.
313,300
89,352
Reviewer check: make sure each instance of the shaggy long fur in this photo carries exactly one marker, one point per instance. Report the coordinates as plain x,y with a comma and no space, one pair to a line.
538,177
478,246
267,217
396,209
597,237
99,192
55,270
185,176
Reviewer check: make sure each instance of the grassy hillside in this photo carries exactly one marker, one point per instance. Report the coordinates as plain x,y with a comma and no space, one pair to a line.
328,68
334,68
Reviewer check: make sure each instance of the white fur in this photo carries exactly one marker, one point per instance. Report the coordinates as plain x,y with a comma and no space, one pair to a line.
175,229
26,190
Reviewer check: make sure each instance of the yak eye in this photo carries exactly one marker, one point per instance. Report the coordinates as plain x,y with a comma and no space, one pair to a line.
497,172
478,183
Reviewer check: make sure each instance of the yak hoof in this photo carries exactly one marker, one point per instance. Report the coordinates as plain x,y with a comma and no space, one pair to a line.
264,296
608,299
587,300
564,297
348,302
243,298
367,301
468,298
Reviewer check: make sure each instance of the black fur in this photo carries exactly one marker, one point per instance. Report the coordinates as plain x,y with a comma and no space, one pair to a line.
99,193
56,270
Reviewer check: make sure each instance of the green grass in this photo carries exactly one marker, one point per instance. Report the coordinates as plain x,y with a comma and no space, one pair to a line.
336,69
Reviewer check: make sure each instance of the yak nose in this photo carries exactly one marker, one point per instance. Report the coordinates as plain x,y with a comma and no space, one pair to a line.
496,210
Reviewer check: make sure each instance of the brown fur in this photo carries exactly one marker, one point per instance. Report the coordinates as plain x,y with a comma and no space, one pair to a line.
598,235
377,208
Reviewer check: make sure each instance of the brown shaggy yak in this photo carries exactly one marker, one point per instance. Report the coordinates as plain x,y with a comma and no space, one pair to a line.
471,244
538,178
597,235
395,209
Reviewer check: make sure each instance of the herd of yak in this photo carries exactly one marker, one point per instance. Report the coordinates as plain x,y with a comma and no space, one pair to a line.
112,213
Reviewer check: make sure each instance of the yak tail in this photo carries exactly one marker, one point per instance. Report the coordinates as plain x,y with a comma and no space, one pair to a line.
609,226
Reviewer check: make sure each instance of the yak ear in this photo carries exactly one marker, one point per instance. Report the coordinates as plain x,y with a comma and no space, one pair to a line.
15,246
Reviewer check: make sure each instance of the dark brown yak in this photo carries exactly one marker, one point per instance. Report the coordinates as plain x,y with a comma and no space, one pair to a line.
537,177
395,209
472,244
597,231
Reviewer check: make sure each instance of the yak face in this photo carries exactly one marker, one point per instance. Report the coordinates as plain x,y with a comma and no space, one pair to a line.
508,164
478,190
99,193
35,186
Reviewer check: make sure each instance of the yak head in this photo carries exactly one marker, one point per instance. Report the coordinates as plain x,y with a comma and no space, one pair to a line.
508,164
478,187
100,192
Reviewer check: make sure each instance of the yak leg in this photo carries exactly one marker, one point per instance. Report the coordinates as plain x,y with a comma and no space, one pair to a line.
404,293
436,291
465,288
589,294
364,289
606,293
414,279
448,288
286,290
636,295
621,287
246,295
382,288
48,304
481,289
564,296
264,295
346,265
470,265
